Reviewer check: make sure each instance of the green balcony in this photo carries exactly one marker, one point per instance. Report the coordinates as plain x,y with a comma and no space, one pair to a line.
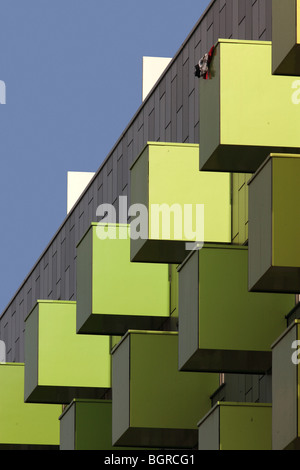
245,111
222,326
236,426
286,389
113,294
286,37
61,365
166,182
274,225
24,426
155,405
87,425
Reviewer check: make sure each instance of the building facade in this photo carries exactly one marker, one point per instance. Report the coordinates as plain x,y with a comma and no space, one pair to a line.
217,315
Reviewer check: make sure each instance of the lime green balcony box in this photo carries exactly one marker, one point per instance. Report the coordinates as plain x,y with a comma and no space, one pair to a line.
245,111
59,364
24,425
177,205
155,405
236,426
87,425
286,37
222,326
274,225
113,294
286,389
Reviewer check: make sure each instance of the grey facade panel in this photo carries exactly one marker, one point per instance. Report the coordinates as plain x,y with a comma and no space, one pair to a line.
240,387
169,113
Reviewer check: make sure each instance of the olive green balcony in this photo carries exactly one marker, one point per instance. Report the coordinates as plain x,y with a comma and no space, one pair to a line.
177,205
113,294
245,111
87,425
24,425
286,389
155,405
236,426
59,364
274,225
222,326
286,37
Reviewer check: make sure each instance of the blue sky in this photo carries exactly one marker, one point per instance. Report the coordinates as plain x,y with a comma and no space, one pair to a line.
73,75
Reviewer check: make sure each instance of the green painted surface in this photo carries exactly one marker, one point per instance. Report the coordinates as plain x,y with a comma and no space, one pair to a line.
237,426
176,186
157,387
188,186
230,319
246,135
118,294
286,37
235,208
209,430
188,310
60,360
24,423
31,350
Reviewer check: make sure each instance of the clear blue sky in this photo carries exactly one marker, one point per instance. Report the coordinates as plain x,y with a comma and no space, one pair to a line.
73,75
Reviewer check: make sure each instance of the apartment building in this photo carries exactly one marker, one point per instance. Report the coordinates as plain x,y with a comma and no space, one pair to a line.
148,330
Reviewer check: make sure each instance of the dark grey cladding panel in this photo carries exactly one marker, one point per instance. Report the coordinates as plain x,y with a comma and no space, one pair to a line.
169,113
245,388
241,10
185,100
